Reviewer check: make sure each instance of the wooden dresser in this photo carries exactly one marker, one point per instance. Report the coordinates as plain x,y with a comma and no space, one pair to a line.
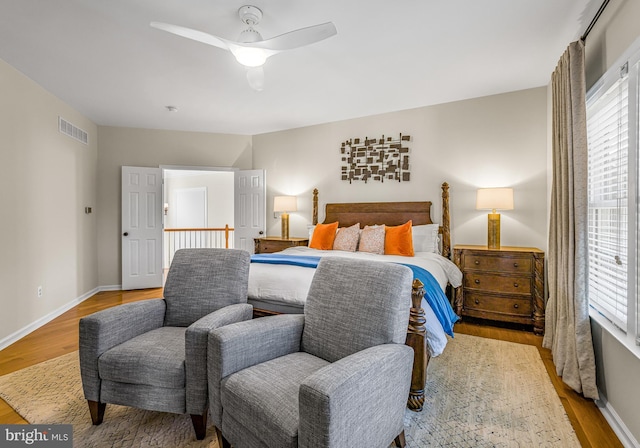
270,244
505,284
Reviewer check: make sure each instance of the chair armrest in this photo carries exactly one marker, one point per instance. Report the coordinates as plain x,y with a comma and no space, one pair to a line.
368,389
196,352
244,344
105,329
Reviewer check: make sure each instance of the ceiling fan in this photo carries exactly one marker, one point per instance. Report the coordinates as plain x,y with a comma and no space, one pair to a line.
251,50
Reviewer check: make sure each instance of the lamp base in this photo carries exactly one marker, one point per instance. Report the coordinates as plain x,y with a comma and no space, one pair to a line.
285,226
493,233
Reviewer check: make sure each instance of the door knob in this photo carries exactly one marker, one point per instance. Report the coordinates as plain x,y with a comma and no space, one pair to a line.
126,234
261,233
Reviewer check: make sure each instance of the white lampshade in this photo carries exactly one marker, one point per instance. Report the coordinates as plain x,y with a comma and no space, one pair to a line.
494,199
285,204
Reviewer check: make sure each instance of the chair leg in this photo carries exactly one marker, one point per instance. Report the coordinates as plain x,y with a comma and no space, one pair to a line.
199,425
222,442
400,440
96,409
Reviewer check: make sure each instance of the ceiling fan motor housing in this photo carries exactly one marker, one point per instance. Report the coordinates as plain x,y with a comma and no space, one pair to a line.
249,35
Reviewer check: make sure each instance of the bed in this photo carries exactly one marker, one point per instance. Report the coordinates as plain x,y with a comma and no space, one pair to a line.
281,286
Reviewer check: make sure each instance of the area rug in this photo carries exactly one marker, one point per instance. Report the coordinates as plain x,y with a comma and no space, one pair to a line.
480,393
487,393
51,393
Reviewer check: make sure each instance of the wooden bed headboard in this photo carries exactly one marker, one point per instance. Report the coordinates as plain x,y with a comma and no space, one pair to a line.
388,213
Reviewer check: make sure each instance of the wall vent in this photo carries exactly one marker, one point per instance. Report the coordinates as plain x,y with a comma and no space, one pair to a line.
73,131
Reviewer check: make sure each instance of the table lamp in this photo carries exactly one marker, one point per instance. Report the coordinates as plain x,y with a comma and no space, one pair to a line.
494,199
285,204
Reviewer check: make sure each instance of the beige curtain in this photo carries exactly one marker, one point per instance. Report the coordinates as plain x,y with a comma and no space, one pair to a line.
567,330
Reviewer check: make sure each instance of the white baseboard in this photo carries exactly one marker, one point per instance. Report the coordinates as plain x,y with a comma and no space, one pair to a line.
110,288
626,438
7,341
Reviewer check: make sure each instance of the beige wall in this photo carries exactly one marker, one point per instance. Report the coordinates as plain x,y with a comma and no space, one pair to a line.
493,141
46,180
618,369
151,148
612,34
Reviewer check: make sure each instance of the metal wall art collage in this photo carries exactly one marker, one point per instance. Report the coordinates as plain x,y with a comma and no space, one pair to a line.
386,158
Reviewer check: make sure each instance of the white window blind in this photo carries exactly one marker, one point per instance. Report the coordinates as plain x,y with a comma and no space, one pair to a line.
608,184
634,144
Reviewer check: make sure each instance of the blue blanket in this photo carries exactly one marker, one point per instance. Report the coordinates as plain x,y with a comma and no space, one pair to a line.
434,296
293,260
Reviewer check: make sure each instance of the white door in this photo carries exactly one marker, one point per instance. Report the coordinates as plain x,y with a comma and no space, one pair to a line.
141,227
249,208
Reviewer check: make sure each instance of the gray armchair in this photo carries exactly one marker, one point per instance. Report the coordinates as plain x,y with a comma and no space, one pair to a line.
336,376
152,354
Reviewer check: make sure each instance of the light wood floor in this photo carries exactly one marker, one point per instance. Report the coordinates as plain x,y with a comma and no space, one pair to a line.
60,337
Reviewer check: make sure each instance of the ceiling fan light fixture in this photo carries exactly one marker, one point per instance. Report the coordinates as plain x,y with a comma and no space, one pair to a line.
250,56
251,50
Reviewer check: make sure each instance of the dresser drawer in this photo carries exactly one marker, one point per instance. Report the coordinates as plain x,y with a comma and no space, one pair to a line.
274,246
486,262
496,304
267,245
498,283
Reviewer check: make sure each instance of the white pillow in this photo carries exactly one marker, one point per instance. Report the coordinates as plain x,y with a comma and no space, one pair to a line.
426,238
311,228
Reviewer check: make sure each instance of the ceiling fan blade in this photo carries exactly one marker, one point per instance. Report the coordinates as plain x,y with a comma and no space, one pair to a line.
192,34
255,76
297,38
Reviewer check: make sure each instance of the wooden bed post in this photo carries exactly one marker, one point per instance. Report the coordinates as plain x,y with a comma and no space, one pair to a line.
315,206
446,225
416,339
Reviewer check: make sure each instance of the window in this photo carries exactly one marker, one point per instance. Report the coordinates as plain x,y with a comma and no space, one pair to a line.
607,132
613,220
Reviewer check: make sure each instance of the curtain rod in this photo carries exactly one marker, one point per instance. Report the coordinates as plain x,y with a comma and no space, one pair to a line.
595,19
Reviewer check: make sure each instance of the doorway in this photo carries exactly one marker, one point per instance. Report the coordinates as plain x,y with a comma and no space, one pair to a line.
229,203
198,210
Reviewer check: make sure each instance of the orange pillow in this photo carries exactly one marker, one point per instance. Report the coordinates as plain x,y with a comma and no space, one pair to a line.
323,236
398,240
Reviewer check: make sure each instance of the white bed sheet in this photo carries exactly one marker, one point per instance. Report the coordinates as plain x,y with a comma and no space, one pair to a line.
290,284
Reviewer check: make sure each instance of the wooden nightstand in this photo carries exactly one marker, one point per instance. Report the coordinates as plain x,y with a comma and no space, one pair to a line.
505,284
270,244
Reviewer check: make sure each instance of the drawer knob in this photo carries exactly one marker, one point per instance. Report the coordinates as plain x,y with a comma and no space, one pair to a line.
515,285
515,265
477,281
515,305
477,301
476,262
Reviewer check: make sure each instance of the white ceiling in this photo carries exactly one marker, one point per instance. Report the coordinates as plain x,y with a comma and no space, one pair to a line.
103,58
